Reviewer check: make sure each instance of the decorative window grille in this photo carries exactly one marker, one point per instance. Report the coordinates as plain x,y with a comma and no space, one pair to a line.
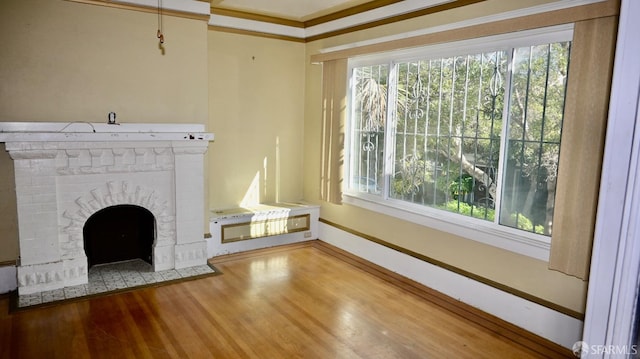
476,134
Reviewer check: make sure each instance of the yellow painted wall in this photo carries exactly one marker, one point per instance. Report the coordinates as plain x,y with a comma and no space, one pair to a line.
65,61
256,97
506,268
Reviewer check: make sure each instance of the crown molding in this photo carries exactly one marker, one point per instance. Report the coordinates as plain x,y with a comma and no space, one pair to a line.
192,9
190,6
396,12
256,27
255,33
256,17
377,13
362,17
520,13
358,9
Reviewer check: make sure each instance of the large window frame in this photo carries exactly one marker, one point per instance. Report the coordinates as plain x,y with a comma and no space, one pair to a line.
526,243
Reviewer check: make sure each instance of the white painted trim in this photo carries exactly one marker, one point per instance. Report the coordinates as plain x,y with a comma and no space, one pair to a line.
399,8
215,248
403,7
8,279
553,6
255,25
615,262
547,323
513,240
525,38
11,132
190,6
81,126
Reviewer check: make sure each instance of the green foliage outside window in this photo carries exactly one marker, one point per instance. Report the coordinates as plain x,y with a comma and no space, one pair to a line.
448,129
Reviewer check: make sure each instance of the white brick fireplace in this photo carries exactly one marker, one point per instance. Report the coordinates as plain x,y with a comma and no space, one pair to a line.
65,173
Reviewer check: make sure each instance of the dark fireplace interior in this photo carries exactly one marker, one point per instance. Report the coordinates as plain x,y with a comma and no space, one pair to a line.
119,233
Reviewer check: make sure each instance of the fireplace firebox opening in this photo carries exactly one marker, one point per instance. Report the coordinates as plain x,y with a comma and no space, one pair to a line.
119,233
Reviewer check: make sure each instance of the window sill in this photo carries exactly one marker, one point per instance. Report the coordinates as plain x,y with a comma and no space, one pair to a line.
524,243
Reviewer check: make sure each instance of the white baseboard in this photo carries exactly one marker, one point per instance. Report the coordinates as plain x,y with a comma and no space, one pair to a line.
8,279
535,318
215,248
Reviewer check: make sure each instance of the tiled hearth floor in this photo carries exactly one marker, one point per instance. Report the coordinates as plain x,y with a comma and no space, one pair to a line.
114,277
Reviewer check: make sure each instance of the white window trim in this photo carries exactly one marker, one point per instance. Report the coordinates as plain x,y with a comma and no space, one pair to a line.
517,241
525,243
538,36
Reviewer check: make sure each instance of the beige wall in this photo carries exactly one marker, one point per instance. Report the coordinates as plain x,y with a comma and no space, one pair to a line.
8,215
65,61
256,104
505,268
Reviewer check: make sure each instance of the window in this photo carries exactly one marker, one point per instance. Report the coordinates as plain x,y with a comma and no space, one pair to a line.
465,130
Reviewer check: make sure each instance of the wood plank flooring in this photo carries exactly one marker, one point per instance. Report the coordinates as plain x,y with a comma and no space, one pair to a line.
297,301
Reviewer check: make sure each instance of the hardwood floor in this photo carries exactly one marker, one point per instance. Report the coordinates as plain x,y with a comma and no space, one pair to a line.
307,300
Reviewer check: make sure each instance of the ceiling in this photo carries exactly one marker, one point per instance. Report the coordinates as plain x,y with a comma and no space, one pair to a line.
297,10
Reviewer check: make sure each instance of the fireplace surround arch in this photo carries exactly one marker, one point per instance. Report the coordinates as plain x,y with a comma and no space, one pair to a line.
113,194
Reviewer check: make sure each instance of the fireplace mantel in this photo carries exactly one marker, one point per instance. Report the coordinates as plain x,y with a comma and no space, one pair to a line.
87,131
66,172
